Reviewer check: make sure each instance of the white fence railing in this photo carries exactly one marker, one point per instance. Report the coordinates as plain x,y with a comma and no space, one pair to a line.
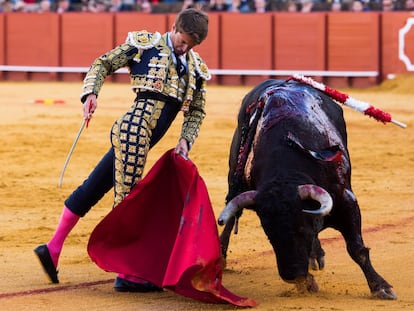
219,72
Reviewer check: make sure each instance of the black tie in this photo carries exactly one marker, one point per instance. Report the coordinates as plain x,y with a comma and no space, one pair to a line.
180,66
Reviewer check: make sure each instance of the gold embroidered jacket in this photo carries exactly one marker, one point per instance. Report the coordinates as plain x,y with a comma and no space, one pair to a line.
151,68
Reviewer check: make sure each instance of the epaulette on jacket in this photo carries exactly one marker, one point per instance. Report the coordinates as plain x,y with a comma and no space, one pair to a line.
143,40
200,66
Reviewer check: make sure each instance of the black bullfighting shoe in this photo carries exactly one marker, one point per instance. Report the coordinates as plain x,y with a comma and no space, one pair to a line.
43,254
123,285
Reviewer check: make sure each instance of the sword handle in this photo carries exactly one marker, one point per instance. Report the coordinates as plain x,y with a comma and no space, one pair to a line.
89,110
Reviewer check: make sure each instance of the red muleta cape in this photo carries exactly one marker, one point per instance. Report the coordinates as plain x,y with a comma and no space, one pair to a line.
165,232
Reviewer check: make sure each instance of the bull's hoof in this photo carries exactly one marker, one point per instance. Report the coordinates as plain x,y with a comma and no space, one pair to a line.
317,263
307,284
385,294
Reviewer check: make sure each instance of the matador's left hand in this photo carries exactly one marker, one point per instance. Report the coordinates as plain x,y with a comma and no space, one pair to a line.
182,148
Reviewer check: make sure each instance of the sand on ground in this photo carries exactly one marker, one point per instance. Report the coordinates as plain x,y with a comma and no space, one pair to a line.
37,137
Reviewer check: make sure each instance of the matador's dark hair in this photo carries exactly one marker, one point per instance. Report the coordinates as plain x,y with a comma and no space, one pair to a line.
194,23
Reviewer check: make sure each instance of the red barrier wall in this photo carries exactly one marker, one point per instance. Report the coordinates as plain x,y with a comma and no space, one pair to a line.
344,41
391,24
2,43
244,46
299,41
84,37
353,44
32,41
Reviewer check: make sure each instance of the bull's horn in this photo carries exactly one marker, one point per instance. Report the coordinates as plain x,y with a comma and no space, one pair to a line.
318,194
236,204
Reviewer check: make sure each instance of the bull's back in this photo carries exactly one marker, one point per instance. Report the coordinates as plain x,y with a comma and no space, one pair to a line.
290,108
298,123
303,109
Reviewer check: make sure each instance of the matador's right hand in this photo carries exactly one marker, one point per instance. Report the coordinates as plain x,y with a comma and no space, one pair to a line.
89,106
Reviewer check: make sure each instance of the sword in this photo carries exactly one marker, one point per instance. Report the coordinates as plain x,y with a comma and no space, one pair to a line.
85,122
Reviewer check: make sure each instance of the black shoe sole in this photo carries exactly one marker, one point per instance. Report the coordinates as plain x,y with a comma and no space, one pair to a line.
42,253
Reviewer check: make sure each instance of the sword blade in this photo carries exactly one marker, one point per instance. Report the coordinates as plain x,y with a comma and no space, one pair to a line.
70,152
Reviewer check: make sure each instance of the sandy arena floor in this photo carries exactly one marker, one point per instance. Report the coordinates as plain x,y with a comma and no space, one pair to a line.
36,139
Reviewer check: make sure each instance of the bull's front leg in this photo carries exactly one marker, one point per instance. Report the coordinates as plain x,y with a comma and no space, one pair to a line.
317,255
350,227
379,287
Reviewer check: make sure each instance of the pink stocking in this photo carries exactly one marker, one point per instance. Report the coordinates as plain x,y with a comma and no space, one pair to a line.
67,222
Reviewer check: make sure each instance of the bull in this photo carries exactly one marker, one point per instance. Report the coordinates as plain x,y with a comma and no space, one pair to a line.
289,163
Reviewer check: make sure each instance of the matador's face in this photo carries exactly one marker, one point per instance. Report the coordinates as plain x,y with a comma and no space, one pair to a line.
182,42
